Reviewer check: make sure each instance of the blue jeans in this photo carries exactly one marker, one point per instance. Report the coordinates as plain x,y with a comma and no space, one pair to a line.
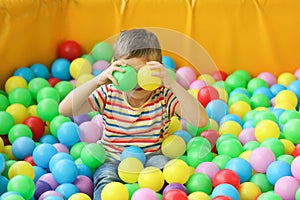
108,172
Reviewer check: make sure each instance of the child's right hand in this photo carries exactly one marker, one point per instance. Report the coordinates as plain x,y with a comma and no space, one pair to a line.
106,76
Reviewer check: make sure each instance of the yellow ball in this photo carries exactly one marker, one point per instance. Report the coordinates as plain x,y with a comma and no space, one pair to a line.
14,82
246,155
289,146
19,112
173,146
129,169
175,125
286,96
198,196
146,80
1,145
239,108
8,151
286,78
176,171
266,129
32,110
193,92
260,108
231,127
249,190
213,125
79,196
223,95
152,178
83,78
207,78
80,66
21,168
114,191
285,106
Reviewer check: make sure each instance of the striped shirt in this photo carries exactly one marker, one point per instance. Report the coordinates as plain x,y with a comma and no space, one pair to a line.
125,125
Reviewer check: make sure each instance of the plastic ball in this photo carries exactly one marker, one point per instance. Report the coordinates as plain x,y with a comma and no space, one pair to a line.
286,96
48,178
48,138
288,115
198,196
80,66
186,136
151,177
17,131
173,146
259,100
261,158
50,193
83,78
231,147
64,171
21,168
175,125
219,75
226,190
216,109
93,155
18,149
53,81
43,153
212,136
266,129
197,85
38,172
175,186
269,195
146,80
226,176
57,157
70,50
2,163
102,51
242,167
199,182
208,168
100,65
4,102
40,70
168,62
79,196
206,94
23,185
68,133
221,161
255,83
36,84
278,169
238,97
84,185
275,145
176,171
185,76
295,167
114,191
134,152
75,150
36,125
14,82
240,108
18,111
25,73
268,77
47,109
56,122
175,194
198,150
6,121
286,187
249,190
246,135
231,127
236,81
126,80
60,69
285,78
48,92
129,169
63,88
261,180
86,128
21,96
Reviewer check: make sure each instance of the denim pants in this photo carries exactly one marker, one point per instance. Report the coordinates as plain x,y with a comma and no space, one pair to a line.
108,172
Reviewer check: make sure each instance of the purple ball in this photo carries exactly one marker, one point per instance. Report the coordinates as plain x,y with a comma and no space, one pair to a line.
40,188
84,184
80,119
178,186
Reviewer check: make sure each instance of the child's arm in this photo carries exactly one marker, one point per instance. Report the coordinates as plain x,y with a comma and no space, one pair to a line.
189,108
76,103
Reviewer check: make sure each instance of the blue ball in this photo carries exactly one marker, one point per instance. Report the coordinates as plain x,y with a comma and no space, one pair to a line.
231,117
38,172
67,190
135,152
11,194
276,88
40,70
3,185
242,167
57,157
18,149
277,112
64,171
248,124
278,169
26,73
226,190
216,109
60,69
265,91
185,135
48,138
85,171
2,163
42,154
53,197
68,133
168,62
239,91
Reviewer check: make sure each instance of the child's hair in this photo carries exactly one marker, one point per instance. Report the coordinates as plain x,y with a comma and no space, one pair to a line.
137,43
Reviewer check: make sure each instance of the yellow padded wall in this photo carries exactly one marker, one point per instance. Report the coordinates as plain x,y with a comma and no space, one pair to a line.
255,35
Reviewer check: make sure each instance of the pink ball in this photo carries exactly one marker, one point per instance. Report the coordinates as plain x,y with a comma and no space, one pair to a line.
268,77
183,124
208,168
48,178
260,158
89,132
297,73
61,148
97,119
185,76
295,167
286,187
100,65
144,192
198,84
50,193
246,135
73,81
84,185
272,101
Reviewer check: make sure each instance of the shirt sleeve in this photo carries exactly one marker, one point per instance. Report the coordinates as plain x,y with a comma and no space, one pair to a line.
98,98
171,102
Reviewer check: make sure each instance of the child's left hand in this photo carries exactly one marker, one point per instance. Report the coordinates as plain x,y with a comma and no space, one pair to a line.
162,73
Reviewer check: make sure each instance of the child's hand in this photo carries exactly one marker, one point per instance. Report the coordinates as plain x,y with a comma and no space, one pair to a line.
162,73
106,76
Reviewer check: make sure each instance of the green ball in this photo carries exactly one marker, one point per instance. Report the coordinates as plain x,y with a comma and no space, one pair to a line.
251,145
48,93
64,88
7,121
93,155
23,185
88,57
197,156
271,195
21,96
56,122
275,145
287,115
47,109
199,182
262,182
222,84
236,81
231,147
264,115
127,80
159,196
238,97
259,100
132,188
297,195
224,137
197,143
243,73
4,103
2,92
291,130
36,84
221,161
255,83
19,130
250,115
102,51
287,158
76,149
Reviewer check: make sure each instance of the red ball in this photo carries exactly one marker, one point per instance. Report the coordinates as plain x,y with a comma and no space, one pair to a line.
296,151
206,94
211,136
175,194
222,197
226,176
70,50
36,125
53,81
30,160
219,75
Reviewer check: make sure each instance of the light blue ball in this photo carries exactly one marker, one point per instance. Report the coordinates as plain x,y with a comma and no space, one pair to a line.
25,72
38,172
276,88
43,153
231,117
240,91
40,70
53,198
265,91
18,149
242,167
64,171
67,190
60,69
68,133
57,157
278,169
3,185
226,190
168,62
48,138
185,135
135,152
216,109
84,170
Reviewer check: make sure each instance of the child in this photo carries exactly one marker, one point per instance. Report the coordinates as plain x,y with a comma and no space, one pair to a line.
137,117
